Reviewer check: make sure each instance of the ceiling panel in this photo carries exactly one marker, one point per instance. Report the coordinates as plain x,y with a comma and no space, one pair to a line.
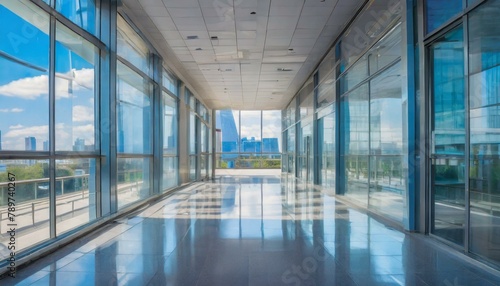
248,60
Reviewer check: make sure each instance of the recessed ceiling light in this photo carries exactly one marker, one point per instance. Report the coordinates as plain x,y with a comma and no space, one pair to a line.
192,37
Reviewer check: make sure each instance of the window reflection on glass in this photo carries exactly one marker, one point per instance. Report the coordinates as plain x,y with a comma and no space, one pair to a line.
440,11
355,110
326,128
448,132
484,99
24,80
31,179
193,140
169,125
170,172
80,12
75,193
131,46
448,94
170,82
193,159
75,95
387,184
133,180
134,112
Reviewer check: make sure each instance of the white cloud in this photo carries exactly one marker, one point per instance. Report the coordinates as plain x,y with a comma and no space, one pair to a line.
34,87
83,113
37,131
26,88
18,126
13,110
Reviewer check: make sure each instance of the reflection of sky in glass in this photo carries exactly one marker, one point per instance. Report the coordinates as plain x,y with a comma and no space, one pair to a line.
24,75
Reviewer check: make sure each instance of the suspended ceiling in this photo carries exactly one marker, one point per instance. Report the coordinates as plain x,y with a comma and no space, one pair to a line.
242,54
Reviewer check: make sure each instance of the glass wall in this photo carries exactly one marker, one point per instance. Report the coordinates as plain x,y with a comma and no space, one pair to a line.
134,117
49,150
248,139
170,141
465,155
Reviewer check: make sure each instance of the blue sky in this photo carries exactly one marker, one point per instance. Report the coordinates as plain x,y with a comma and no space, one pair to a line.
24,104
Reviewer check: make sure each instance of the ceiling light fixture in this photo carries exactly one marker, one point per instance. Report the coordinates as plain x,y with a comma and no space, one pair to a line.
213,38
198,49
192,37
253,13
284,69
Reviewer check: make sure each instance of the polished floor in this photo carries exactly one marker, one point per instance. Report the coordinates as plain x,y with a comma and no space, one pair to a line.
241,230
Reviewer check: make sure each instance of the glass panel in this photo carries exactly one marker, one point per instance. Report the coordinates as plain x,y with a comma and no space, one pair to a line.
354,76
448,134
204,138
192,133
75,193
440,11
326,133
250,131
170,82
447,58
227,122
448,197
75,95
192,167
248,161
133,180
271,131
355,107
24,80
386,51
387,185
134,112
203,166
131,46
484,60
170,171
81,12
25,184
367,27
326,91
170,125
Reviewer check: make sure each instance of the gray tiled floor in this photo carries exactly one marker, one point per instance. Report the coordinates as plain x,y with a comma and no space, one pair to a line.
242,231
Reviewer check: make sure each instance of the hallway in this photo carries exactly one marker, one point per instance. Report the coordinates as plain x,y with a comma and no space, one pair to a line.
241,230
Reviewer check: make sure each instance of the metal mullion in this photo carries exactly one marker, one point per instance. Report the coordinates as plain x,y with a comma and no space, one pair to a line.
430,38
261,137
52,125
467,132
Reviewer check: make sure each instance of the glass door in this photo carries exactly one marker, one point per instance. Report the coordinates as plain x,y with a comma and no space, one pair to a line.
448,129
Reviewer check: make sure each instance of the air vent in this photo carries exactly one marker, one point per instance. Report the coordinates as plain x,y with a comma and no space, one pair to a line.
198,49
192,37
284,69
214,38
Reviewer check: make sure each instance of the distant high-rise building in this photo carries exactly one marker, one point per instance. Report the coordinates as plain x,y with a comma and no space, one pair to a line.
46,145
79,145
270,145
30,144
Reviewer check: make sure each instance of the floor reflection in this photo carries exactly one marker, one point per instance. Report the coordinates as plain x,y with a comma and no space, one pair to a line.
244,230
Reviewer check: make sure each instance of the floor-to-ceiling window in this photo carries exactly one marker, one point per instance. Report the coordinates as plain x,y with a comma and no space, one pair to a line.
170,133
49,150
248,139
464,106
134,116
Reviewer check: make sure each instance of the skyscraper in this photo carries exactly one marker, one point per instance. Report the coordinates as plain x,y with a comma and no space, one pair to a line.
30,144
46,145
